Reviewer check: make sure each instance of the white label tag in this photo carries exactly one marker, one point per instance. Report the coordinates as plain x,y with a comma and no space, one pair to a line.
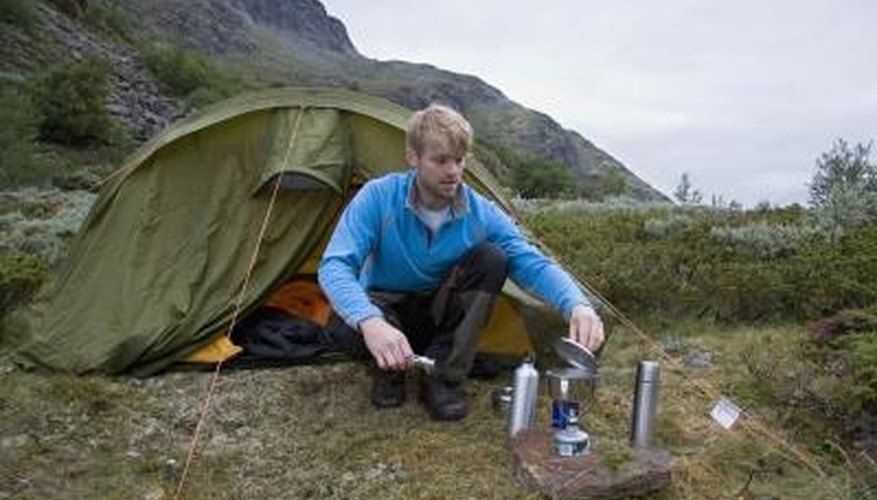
726,413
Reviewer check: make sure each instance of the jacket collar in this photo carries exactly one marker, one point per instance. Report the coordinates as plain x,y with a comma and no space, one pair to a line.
459,206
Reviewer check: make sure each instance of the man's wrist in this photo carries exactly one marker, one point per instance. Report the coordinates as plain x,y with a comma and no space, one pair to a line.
369,321
581,305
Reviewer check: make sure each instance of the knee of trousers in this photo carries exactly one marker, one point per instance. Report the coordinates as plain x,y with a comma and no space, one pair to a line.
488,265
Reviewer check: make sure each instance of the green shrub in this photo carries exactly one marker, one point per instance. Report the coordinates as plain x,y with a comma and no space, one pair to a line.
110,20
20,277
843,191
840,384
39,223
610,184
701,262
767,241
529,177
183,73
18,12
817,388
20,163
542,179
70,101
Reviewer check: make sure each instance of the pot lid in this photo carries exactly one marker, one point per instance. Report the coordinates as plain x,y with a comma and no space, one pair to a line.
569,373
577,355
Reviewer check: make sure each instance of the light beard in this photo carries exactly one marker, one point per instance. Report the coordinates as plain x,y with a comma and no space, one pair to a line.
437,195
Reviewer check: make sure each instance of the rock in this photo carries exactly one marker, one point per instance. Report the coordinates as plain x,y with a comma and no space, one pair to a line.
19,441
674,344
77,181
587,476
155,493
699,360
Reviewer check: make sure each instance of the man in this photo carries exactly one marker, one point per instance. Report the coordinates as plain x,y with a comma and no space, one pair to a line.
417,259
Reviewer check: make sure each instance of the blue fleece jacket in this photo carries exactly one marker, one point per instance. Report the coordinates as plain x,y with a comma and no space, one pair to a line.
381,243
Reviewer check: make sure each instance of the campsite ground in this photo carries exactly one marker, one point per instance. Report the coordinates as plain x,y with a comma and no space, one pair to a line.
310,432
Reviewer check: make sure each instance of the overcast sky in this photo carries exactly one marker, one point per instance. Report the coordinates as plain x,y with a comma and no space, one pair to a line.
742,95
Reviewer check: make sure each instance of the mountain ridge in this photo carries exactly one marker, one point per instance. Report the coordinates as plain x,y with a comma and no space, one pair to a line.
296,42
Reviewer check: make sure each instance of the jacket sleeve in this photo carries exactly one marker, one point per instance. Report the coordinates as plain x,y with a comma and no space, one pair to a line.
352,242
531,269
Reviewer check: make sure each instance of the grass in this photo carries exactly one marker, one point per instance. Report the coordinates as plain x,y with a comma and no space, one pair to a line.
310,432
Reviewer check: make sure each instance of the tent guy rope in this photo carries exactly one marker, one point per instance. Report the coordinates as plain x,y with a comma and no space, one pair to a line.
214,379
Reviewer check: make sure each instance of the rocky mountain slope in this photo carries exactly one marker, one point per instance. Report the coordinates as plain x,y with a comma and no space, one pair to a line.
292,42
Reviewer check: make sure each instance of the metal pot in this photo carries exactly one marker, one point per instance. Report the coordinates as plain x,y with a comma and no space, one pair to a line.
573,385
501,400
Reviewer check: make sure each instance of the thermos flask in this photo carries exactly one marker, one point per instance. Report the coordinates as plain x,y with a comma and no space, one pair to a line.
645,404
526,386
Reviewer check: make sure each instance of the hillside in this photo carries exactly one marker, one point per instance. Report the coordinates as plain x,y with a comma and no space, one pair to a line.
290,42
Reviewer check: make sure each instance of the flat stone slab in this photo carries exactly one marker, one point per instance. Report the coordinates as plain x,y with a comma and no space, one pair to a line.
603,474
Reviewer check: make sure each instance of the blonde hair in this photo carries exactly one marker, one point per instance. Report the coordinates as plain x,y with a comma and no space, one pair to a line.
439,123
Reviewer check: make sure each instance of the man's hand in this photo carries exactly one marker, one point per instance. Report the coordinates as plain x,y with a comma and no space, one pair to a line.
585,327
387,344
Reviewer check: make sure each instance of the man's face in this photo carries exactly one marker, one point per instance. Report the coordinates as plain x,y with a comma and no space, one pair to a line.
439,173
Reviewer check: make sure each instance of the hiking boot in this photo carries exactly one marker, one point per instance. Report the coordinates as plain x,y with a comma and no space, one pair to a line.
443,399
388,388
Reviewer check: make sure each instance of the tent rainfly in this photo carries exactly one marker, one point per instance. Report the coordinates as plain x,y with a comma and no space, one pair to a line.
175,242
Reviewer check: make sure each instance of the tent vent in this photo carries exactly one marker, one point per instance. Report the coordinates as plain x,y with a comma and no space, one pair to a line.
300,182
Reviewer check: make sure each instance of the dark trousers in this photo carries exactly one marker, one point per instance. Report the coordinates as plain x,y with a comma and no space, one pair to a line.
443,324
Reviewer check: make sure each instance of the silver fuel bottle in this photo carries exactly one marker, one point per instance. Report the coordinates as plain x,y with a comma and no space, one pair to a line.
645,404
526,386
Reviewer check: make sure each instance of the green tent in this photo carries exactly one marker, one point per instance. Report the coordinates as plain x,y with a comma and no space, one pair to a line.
189,229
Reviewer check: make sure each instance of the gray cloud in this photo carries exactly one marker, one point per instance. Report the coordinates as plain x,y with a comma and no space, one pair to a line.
743,96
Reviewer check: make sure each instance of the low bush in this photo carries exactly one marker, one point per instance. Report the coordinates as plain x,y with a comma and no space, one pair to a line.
41,223
20,161
187,74
823,391
20,277
70,102
111,20
768,241
699,262
528,177
18,12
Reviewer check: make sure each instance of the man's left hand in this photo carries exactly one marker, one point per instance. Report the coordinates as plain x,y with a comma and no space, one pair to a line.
585,327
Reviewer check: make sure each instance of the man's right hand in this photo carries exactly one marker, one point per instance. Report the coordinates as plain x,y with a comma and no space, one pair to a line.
387,344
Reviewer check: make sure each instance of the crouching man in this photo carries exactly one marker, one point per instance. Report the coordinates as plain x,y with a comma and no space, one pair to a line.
416,261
